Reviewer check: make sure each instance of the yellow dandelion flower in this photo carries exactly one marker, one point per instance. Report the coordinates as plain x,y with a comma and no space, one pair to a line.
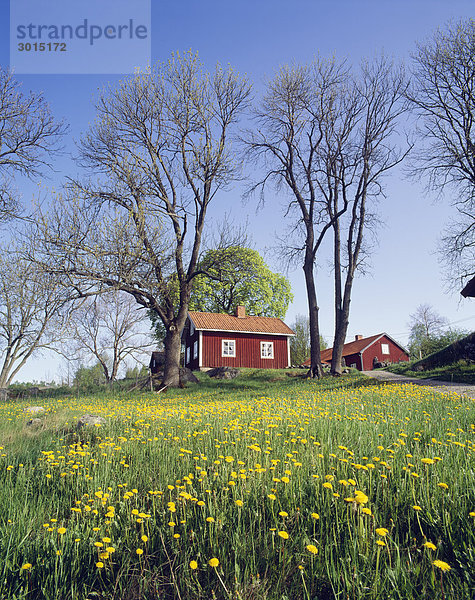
193,565
315,516
238,502
361,497
427,461
144,538
271,496
100,565
444,486
139,551
382,531
380,543
210,519
283,534
26,567
429,545
367,511
312,549
283,514
472,513
416,507
62,530
443,566
213,562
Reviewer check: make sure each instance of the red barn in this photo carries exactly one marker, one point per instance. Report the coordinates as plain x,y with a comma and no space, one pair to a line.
363,353
221,340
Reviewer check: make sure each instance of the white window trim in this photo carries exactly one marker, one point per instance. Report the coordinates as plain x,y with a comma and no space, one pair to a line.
200,355
233,342
266,345
385,349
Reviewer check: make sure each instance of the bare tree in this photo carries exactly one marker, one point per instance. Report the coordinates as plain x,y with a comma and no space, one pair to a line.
427,320
31,313
443,96
29,136
354,161
426,324
160,152
287,139
111,328
325,134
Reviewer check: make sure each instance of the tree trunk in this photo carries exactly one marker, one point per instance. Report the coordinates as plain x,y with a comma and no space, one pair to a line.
171,371
340,331
341,326
315,370
342,319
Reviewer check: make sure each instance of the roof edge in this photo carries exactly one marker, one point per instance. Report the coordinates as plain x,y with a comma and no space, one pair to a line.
239,330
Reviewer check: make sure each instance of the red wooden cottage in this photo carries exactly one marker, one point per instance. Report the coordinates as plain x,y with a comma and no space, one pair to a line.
364,353
221,340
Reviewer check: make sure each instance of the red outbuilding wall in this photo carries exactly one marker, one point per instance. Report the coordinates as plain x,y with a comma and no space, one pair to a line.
375,351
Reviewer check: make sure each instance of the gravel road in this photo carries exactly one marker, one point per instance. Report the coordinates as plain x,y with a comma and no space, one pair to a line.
463,389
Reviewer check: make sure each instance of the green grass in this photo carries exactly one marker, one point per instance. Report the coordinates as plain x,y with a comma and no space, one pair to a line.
260,473
462,371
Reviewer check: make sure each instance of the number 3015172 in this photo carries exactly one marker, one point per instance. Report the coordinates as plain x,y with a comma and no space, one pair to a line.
42,47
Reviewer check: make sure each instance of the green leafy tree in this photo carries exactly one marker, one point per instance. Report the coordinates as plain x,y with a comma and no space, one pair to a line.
237,276
89,378
300,343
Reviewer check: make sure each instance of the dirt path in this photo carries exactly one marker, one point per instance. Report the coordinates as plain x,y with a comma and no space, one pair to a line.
463,389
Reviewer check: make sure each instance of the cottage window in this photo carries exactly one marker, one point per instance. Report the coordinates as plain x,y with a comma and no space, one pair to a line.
385,348
267,349
187,355
228,348
195,350
192,328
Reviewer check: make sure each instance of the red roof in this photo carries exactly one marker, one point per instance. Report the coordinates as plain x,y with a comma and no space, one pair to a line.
354,347
222,322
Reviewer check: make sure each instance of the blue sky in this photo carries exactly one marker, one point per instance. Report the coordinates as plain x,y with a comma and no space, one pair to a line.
256,38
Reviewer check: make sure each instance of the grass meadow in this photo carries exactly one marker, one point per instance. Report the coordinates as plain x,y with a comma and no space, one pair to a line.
264,487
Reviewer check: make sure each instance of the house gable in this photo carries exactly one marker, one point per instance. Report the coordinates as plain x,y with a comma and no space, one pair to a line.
362,351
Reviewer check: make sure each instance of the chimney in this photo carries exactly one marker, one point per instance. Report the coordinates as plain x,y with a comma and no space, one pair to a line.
358,337
241,312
